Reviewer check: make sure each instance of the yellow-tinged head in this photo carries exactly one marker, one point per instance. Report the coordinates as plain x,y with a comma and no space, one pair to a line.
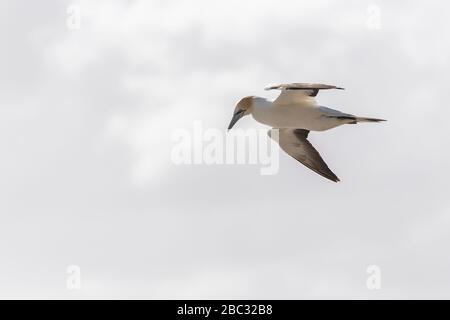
243,107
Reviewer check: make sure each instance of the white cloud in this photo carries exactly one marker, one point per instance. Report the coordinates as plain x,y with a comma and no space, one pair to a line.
89,110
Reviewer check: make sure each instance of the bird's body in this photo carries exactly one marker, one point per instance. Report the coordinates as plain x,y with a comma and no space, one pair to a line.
295,113
306,115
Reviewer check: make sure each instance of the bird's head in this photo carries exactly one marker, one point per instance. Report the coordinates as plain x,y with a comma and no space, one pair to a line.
243,108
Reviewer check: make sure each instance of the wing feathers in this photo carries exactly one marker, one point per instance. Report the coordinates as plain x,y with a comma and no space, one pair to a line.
299,92
302,86
294,142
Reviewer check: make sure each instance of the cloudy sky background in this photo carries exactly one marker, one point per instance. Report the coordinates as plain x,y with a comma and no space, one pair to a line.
86,118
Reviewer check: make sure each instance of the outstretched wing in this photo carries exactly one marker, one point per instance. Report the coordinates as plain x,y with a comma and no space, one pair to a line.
295,143
299,92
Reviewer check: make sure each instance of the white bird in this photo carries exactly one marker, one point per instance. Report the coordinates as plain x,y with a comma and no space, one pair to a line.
295,113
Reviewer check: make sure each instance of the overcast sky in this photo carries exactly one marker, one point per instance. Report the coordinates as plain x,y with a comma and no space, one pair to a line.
86,118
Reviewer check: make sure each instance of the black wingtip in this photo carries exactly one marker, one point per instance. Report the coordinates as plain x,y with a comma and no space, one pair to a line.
334,179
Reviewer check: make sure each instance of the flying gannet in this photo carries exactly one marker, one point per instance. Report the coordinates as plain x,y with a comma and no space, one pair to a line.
295,113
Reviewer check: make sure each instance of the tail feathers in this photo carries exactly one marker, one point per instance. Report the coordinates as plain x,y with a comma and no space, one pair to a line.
364,119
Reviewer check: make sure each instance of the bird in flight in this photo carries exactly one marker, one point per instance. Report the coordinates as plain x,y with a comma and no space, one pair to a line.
294,113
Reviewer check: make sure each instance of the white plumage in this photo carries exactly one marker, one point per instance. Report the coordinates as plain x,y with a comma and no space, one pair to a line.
295,112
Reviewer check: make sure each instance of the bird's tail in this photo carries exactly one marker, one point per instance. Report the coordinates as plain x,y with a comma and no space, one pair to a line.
364,119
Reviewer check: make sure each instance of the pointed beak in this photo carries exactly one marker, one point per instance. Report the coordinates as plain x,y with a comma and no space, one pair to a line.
239,114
